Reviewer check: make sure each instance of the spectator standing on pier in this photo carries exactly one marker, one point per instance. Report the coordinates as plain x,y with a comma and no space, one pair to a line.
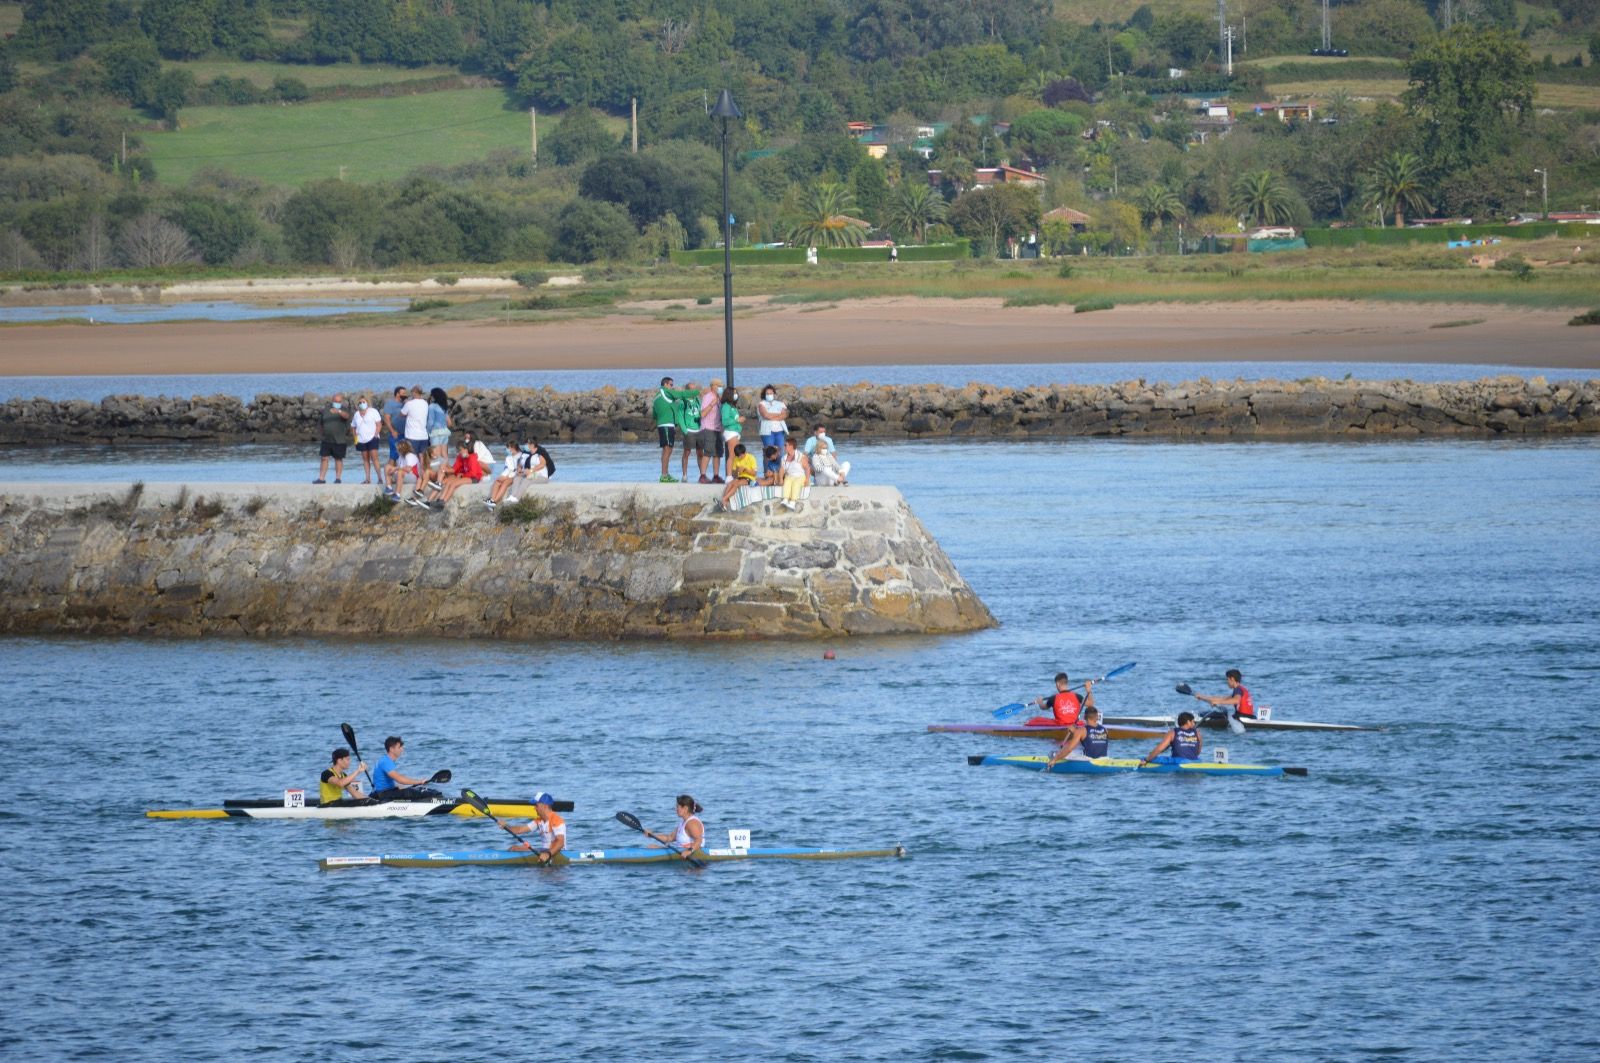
774,426
365,423
415,413
709,442
666,411
335,440
394,422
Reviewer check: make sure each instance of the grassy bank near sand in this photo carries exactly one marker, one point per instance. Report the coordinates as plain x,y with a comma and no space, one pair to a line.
1563,277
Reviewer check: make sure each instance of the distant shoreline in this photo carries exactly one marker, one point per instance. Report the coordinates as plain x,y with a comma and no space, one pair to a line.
861,332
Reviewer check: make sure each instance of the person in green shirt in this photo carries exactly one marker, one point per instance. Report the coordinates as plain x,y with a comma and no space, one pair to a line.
730,422
665,409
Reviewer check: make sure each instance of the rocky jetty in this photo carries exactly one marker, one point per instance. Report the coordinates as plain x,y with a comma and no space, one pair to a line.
1270,409
578,561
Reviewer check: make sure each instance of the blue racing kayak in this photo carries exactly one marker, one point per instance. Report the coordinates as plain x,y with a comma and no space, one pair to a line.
1112,765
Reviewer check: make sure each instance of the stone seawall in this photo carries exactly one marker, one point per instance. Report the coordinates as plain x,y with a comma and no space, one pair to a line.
587,561
1268,409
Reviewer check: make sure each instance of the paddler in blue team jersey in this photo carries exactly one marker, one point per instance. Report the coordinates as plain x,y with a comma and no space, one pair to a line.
1238,698
1181,743
339,781
386,780
690,834
1064,705
1088,740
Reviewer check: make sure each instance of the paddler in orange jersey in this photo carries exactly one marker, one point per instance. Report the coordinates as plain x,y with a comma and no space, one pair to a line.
1237,698
690,834
552,829
1088,740
1063,704
1183,742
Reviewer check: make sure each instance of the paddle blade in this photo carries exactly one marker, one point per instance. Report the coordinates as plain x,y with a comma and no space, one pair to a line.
349,735
475,801
1234,724
1184,688
1118,671
628,819
1005,712
440,776
1294,771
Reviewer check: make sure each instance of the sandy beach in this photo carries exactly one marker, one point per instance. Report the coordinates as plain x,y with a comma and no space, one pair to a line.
864,332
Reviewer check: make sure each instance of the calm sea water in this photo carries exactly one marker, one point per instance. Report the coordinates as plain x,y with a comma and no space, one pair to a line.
1428,893
200,310
1002,374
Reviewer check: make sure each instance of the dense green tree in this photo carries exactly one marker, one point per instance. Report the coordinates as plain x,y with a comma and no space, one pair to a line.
1046,137
1187,38
324,212
913,207
132,68
824,217
1261,197
587,231
174,90
1157,203
1469,88
344,29
181,29
641,183
217,230
8,71
993,214
578,137
61,29
240,27
1396,186
870,188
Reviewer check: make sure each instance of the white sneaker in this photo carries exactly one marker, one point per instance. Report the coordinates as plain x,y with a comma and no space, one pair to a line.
511,500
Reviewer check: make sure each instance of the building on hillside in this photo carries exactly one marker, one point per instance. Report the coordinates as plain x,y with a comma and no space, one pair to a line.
1287,112
994,175
1075,218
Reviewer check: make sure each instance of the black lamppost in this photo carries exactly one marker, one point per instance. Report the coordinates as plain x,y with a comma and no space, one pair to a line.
726,109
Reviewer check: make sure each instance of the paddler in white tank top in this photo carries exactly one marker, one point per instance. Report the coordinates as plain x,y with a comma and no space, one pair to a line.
551,827
690,834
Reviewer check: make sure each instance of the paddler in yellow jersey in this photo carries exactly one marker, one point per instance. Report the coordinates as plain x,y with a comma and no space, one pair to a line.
551,827
339,781
690,833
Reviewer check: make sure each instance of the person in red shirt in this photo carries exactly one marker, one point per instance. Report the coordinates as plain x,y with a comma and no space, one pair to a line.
466,470
1064,705
1238,698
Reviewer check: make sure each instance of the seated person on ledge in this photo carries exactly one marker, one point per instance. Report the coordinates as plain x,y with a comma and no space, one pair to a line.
1063,704
339,781
741,473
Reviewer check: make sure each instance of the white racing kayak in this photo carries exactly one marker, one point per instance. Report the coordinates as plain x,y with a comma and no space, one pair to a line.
1219,723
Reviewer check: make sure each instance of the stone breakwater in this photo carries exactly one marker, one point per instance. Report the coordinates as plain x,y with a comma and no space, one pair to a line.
589,561
1271,409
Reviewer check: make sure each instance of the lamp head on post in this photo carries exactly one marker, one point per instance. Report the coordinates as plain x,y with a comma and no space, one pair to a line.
725,107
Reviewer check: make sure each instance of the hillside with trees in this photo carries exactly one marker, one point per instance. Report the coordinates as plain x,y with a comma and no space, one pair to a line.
1105,106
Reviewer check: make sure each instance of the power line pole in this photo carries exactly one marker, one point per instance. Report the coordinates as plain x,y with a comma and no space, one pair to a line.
1327,30
1222,26
634,105
1544,176
533,130
1227,40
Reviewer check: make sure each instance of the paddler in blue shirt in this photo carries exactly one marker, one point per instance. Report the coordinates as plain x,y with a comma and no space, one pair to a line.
386,780
1182,742
1088,740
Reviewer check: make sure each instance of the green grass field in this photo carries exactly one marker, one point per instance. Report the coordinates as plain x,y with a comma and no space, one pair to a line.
314,75
1576,97
372,139
10,19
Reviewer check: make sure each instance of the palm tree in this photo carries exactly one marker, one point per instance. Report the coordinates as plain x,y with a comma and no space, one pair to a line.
1157,202
824,218
1394,185
1339,105
913,207
1261,197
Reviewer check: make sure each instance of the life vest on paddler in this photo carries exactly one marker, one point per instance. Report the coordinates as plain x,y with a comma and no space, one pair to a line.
1185,743
1095,740
1247,706
1066,707
328,792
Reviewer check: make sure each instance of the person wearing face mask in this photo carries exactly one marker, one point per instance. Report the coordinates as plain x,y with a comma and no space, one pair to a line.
364,423
773,426
335,440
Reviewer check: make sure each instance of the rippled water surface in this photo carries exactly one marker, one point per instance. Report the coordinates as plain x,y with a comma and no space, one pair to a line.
1426,893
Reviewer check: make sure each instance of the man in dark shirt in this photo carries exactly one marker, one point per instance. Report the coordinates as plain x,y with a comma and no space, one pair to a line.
335,440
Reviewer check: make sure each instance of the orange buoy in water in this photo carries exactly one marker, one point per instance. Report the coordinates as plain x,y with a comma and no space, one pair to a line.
827,655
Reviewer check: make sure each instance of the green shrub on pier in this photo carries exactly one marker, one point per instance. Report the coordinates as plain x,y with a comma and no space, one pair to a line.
1589,317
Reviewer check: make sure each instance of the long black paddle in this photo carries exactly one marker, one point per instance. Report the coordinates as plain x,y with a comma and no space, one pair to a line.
482,808
628,819
350,736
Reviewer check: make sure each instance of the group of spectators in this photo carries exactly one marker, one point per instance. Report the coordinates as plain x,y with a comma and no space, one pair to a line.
418,426
710,425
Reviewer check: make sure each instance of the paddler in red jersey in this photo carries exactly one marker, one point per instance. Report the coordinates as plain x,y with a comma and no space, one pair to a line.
1064,705
1237,698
